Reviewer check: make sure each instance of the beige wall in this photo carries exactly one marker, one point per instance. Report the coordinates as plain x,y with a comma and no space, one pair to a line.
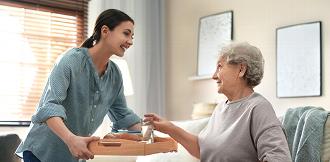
255,21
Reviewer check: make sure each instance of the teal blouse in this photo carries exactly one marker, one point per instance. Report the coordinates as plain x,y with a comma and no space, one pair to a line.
76,93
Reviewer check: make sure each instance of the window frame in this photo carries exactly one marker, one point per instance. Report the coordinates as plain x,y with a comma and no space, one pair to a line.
67,7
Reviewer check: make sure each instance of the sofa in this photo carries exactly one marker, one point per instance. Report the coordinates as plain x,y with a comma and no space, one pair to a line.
325,149
10,141
195,126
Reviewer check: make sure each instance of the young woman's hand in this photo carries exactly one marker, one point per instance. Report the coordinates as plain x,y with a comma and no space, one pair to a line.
78,146
159,123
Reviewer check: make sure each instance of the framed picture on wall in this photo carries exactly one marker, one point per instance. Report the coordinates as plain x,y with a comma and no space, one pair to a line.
298,54
215,31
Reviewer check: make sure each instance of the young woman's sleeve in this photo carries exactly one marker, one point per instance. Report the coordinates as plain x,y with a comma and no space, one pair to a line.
121,116
54,93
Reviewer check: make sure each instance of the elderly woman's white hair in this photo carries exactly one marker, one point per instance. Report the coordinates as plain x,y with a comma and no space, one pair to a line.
244,53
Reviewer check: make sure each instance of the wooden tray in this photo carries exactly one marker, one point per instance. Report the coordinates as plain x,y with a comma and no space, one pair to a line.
132,148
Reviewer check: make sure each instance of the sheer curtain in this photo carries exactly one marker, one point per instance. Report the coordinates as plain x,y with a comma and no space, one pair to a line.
145,58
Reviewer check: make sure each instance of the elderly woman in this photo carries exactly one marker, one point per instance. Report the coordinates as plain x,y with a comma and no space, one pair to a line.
245,127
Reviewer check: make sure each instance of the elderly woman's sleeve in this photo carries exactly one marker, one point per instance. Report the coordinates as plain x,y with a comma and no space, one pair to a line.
55,92
268,135
121,116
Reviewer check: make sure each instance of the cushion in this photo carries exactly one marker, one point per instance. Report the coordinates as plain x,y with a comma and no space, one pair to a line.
8,145
191,126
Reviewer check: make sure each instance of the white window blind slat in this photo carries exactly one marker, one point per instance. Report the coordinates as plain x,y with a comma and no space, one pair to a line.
32,39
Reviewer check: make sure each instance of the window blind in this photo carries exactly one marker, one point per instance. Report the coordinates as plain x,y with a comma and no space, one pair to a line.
33,33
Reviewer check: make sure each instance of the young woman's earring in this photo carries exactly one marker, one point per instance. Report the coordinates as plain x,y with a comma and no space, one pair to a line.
94,40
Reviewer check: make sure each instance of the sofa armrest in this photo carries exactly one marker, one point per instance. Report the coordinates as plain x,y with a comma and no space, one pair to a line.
8,145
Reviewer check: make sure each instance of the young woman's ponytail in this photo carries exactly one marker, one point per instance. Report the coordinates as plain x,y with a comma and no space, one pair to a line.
88,43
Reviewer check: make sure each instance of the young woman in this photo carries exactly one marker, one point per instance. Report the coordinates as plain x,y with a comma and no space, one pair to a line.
82,88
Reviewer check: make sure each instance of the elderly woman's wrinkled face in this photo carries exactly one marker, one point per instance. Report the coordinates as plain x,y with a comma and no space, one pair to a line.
226,76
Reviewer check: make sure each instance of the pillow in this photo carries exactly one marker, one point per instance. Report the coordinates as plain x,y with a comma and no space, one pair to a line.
191,126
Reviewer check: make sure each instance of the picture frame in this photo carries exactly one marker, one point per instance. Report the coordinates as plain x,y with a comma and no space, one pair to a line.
299,60
215,32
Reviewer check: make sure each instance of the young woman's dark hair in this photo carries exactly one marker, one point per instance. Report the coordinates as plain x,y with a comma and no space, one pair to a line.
111,18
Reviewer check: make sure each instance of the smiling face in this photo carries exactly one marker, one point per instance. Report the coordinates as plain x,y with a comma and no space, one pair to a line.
227,76
120,38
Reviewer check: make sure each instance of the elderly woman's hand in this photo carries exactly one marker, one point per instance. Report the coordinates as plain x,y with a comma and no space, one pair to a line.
159,123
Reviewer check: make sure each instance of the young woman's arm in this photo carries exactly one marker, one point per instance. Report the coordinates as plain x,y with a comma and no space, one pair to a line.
187,140
136,126
77,144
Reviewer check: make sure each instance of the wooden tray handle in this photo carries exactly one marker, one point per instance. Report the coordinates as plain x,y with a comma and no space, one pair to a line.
110,144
